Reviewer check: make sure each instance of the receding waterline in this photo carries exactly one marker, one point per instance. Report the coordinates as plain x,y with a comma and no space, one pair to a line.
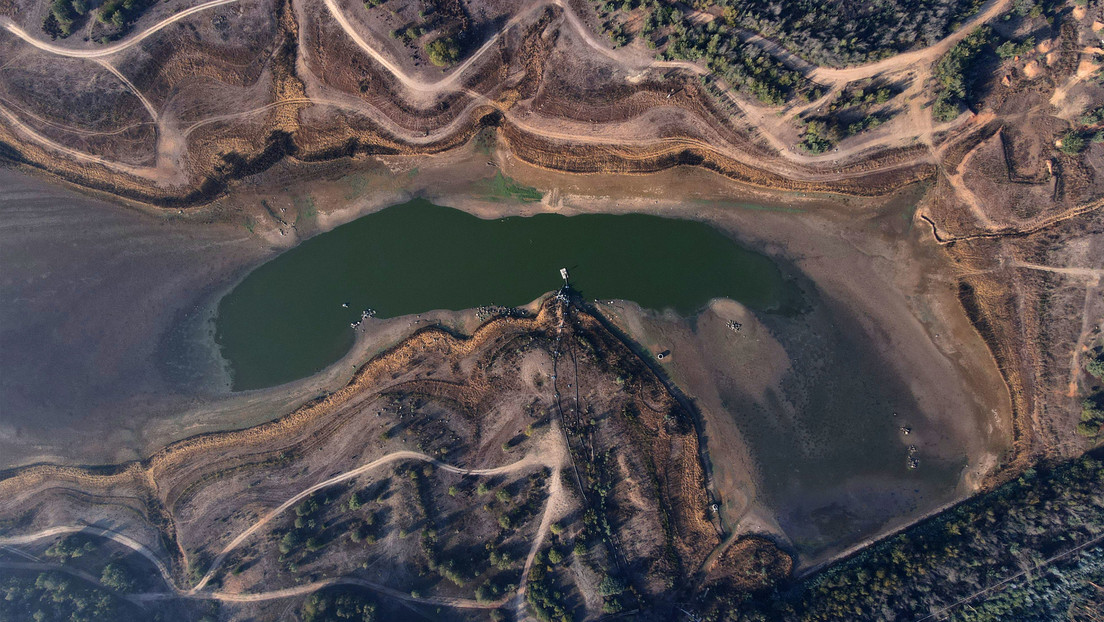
290,318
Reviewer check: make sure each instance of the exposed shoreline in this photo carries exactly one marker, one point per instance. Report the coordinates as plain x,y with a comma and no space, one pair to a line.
860,253
443,180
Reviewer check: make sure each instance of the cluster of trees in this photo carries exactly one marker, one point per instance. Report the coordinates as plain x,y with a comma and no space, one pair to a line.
443,51
547,602
838,32
1041,530
70,547
864,96
1072,142
1012,49
309,532
448,17
120,13
117,577
852,112
55,597
364,530
741,65
827,32
459,571
745,67
463,566
1093,117
409,33
494,588
1035,8
65,15
338,605
1067,590
822,133
599,478
1088,130
954,73
818,137
1092,409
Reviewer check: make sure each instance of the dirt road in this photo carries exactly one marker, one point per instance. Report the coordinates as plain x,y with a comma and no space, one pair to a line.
550,453
828,75
108,50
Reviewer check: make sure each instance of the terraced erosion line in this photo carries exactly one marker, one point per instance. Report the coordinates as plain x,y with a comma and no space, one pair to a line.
1022,230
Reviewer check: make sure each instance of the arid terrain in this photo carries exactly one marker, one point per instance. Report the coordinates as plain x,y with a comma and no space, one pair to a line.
929,178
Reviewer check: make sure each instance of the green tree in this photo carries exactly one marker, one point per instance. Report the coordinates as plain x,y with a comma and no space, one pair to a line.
1095,367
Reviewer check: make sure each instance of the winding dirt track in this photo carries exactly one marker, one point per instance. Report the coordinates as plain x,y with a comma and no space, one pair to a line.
763,117
115,536
549,454
130,85
527,461
108,50
450,82
989,11
18,124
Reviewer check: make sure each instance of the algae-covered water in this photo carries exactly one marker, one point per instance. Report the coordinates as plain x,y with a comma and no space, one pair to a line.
291,317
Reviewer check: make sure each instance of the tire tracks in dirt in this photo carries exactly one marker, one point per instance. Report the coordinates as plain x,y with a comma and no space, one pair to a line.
549,454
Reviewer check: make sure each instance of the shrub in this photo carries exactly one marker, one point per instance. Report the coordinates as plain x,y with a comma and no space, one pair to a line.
610,586
1073,143
116,577
1095,367
1010,49
443,51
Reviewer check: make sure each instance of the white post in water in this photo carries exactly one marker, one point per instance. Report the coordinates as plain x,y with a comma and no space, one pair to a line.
563,273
